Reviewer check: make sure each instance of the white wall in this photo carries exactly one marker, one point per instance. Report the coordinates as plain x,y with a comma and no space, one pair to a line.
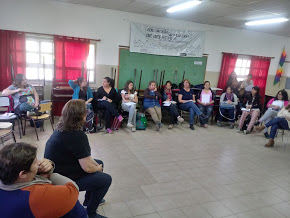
113,28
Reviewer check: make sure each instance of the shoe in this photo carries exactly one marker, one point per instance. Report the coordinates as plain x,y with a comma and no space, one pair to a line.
109,131
157,126
260,128
239,130
205,126
161,125
120,118
170,126
257,123
232,125
191,127
266,135
130,125
270,143
246,132
180,119
133,129
30,113
103,201
219,124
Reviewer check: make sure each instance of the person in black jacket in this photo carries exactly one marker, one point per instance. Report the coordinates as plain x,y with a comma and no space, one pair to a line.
169,99
253,108
242,98
107,99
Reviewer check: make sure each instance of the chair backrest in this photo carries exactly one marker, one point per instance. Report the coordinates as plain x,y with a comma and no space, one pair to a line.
4,101
45,107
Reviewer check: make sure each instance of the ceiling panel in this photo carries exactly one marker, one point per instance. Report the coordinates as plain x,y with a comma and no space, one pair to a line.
227,13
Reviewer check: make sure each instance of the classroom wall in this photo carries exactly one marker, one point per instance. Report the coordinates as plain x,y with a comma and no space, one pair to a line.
113,28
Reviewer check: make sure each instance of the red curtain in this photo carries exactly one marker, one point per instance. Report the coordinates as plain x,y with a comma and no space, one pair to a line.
259,69
228,65
11,43
70,54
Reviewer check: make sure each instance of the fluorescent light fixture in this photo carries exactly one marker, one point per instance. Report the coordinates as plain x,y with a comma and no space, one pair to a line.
183,6
267,21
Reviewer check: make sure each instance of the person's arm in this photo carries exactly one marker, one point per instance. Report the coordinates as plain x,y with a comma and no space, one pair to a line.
222,98
99,93
180,99
88,164
198,98
146,94
72,84
135,98
9,91
89,96
36,97
269,105
235,100
158,94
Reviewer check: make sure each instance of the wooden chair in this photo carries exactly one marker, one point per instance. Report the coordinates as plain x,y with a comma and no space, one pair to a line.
43,107
6,131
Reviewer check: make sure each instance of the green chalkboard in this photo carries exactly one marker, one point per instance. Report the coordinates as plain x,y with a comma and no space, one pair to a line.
194,68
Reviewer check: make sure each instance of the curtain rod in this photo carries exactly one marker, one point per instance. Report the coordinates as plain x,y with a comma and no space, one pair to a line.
46,34
246,55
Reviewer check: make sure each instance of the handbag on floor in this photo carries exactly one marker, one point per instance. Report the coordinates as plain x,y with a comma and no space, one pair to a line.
116,124
141,121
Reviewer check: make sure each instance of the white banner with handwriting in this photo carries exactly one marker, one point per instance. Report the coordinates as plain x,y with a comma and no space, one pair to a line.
163,41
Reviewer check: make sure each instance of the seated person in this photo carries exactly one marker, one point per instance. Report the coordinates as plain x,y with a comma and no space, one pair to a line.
242,98
170,104
233,81
151,104
280,122
107,99
249,83
228,102
22,94
81,90
129,101
274,106
68,147
253,108
186,100
206,102
28,188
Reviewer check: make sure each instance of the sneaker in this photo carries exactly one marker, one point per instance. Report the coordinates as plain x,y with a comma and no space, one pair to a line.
232,126
239,130
161,125
157,127
205,126
130,125
103,201
133,129
109,131
180,119
170,126
191,127
219,124
246,132
120,118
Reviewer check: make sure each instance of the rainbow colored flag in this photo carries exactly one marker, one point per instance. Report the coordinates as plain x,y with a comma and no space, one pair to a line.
280,69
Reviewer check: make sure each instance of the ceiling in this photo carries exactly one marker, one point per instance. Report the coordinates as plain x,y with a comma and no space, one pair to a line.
226,13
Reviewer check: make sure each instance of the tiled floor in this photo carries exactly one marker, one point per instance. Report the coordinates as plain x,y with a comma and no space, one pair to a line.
214,172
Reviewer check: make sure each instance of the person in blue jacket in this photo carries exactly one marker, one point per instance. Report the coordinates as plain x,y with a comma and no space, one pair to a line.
81,90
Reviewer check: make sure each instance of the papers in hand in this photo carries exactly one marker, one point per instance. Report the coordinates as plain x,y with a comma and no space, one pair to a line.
245,109
205,99
168,103
130,103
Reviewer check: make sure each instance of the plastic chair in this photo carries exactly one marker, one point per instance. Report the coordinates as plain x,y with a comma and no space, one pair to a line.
6,131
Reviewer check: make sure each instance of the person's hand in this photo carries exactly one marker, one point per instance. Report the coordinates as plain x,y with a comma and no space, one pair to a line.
36,105
109,100
100,168
127,96
86,102
156,97
205,104
249,106
229,101
19,90
155,89
276,107
167,99
44,166
104,98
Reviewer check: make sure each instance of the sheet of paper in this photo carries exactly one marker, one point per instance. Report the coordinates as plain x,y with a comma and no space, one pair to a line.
205,99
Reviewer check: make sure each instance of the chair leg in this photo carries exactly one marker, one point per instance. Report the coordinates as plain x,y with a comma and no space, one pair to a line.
42,125
19,127
13,137
24,126
35,130
51,123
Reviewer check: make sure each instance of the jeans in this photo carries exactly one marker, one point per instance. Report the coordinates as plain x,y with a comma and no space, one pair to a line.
277,123
132,113
110,109
173,112
78,211
231,114
96,186
192,108
268,115
207,111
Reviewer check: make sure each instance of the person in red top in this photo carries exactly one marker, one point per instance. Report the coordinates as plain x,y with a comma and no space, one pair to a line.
28,188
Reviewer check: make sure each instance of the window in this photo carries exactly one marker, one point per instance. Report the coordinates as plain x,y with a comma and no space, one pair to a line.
39,50
242,68
91,63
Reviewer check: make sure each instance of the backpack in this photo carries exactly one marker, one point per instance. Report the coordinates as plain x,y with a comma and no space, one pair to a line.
141,121
89,125
246,123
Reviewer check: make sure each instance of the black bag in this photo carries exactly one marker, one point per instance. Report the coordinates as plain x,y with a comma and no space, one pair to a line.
89,125
246,123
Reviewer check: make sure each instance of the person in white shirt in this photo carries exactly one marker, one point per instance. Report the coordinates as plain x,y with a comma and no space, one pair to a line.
129,101
249,84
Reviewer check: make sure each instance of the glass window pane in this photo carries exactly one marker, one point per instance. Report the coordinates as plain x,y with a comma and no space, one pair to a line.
47,58
238,71
48,74
240,79
31,73
32,45
243,71
32,58
245,63
247,71
249,63
91,75
239,63
91,57
46,47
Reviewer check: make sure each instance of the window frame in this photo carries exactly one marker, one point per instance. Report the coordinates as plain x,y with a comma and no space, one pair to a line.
241,77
